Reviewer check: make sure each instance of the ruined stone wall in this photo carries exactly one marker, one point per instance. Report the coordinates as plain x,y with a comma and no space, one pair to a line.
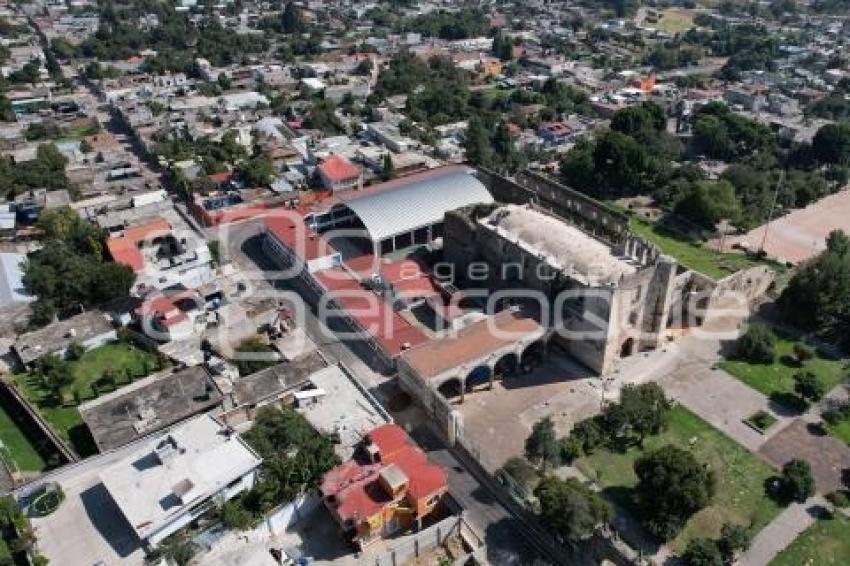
589,214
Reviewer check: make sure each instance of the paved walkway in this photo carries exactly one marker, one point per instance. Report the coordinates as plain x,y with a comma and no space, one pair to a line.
782,531
689,377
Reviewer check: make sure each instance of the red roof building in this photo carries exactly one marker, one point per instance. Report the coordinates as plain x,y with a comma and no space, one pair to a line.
389,486
337,173
124,248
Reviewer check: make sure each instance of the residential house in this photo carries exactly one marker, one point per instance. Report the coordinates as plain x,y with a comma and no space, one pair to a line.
554,133
176,477
337,173
160,257
89,329
388,486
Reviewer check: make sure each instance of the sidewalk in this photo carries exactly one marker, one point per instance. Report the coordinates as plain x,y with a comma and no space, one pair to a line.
782,531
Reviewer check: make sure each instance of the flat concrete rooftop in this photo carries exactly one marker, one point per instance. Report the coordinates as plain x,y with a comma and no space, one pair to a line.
158,482
273,381
149,405
345,410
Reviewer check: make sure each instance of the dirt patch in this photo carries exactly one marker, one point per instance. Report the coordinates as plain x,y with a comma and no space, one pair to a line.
828,456
801,234
447,553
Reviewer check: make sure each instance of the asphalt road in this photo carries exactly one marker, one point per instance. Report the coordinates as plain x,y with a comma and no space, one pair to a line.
505,542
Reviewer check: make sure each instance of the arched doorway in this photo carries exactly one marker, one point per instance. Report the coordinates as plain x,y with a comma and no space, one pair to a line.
480,375
627,349
451,389
505,366
532,356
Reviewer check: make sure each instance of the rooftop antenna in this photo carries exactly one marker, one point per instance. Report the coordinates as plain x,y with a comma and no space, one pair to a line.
772,207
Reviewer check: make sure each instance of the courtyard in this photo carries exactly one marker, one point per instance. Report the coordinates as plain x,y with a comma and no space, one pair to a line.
559,388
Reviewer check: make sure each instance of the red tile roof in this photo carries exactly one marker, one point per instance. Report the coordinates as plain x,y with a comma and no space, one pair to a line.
470,344
338,169
371,311
124,248
222,177
290,229
165,307
355,486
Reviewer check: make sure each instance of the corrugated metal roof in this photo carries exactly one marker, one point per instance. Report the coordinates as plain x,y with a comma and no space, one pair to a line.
422,201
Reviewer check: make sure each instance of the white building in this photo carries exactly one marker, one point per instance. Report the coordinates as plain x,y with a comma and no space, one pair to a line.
172,479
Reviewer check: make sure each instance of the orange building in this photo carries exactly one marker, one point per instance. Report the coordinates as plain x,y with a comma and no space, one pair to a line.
388,486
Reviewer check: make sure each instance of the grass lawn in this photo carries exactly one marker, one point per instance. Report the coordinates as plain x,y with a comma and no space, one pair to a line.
840,430
675,20
19,448
740,496
115,358
693,255
777,379
79,133
825,542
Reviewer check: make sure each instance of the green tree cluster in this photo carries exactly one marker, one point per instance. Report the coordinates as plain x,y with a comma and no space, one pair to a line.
672,486
70,270
817,299
570,508
295,457
47,170
451,25
757,344
720,133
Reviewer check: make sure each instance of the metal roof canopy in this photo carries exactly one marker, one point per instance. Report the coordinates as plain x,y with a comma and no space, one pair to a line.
420,203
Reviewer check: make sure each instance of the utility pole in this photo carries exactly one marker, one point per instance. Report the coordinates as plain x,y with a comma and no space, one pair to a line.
772,207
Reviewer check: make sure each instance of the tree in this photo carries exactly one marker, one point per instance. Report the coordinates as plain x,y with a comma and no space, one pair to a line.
477,142
236,516
809,386
570,508
292,20
295,457
831,143
733,540
55,373
253,355
388,168
504,149
642,120
178,548
503,46
709,202
803,353
75,351
646,407
256,172
672,486
757,344
224,81
541,446
712,138
702,552
818,296
797,482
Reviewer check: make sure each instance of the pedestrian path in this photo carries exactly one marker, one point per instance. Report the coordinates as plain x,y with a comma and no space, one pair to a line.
782,531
